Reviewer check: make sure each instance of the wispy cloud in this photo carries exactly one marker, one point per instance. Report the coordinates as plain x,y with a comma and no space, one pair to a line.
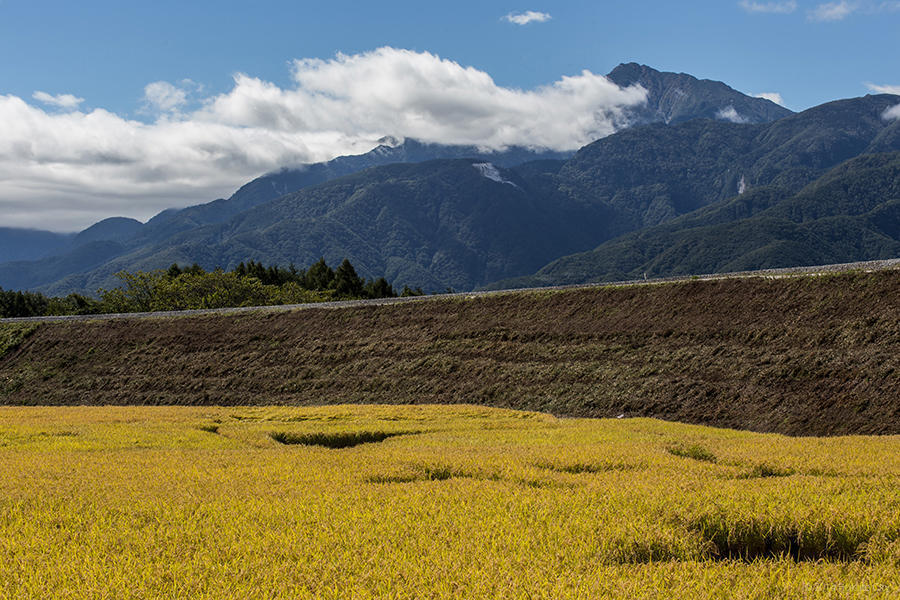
884,89
67,101
730,114
771,97
836,10
162,97
769,7
833,11
893,112
81,166
529,16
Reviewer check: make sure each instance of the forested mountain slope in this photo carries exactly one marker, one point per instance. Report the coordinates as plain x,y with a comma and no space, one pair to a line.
814,188
678,193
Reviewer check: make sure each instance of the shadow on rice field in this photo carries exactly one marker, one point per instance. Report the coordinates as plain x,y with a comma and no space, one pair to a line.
337,439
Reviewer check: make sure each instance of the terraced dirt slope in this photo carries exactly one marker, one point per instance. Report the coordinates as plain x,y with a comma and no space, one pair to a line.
812,355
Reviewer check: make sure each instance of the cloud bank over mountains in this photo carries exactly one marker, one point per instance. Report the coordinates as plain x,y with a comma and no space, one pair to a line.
73,167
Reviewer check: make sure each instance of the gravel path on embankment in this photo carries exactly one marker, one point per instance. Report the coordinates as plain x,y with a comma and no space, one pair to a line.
872,265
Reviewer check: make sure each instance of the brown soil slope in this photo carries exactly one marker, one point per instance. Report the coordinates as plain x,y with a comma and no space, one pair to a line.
802,355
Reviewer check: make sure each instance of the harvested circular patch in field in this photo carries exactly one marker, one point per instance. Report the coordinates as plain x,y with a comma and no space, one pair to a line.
337,439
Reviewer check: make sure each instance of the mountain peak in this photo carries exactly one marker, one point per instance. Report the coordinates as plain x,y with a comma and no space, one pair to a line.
630,73
676,97
111,229
391,141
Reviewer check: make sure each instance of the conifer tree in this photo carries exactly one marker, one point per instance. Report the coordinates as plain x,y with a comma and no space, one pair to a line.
346,281
380,288
319,277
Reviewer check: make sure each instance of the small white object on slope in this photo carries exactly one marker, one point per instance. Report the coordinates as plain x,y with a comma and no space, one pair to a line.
490,171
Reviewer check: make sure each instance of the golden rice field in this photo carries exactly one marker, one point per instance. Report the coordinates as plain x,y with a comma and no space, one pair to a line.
435,502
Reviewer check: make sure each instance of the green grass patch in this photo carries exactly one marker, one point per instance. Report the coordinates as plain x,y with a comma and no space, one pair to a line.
13,334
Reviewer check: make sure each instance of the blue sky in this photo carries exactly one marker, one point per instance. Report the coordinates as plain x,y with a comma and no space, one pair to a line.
107,51
106,91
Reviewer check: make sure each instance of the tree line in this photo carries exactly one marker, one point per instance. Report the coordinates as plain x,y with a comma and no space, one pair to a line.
186,288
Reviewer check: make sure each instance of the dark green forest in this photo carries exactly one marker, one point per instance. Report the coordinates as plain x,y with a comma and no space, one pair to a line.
186,288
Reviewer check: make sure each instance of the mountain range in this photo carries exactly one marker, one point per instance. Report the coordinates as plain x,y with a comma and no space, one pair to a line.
706,179
818,187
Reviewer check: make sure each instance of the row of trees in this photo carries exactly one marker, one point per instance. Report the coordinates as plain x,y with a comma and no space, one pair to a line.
32,304
250,284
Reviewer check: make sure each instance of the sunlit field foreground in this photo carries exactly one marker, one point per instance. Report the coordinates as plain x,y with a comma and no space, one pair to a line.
435,502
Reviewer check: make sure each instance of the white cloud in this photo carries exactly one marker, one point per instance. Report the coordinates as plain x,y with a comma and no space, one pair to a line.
769,7
67,170
164,97
771,97
527,17
730,114
884,89
60,100
833,11
892,113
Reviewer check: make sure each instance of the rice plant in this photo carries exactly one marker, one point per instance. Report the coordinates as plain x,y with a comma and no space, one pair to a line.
138,502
